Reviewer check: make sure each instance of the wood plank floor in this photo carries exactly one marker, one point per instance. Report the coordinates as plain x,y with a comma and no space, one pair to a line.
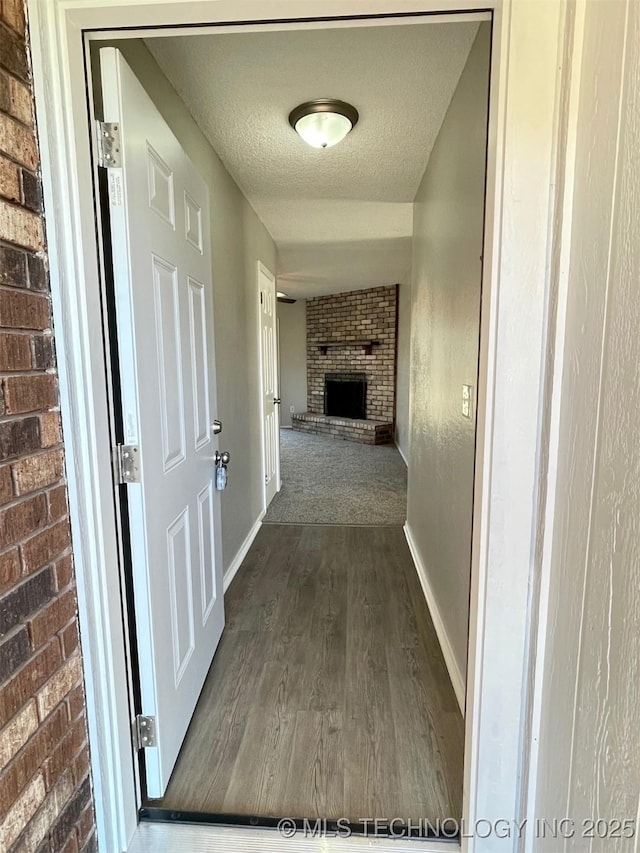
328,696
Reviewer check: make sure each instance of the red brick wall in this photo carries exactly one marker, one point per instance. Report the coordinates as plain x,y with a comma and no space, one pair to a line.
358,315
45,788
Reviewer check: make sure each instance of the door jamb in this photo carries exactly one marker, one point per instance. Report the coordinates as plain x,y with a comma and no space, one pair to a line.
517,241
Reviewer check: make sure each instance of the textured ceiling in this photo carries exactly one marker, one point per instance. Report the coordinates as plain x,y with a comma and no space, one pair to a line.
341,217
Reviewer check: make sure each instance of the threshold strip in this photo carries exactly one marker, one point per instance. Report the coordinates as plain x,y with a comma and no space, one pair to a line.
422,830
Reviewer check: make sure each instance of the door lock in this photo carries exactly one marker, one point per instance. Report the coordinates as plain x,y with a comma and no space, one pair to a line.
216,427
221,461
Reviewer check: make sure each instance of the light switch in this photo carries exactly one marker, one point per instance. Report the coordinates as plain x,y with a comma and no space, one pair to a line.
467,401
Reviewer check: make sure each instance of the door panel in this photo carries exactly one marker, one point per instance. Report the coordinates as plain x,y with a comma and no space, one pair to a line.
192,222
159,213
160,186
181,593
200,373
170,368
206,535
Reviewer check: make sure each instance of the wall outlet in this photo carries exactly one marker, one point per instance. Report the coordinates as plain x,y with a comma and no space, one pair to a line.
467,401
292,409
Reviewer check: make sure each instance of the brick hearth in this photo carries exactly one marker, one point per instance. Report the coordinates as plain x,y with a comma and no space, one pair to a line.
348,429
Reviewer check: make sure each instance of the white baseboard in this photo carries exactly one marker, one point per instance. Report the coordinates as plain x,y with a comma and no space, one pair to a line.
401,452
455,674
231,572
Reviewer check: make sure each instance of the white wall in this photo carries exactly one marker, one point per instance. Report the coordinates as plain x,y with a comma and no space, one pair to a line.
403,365
447,248
589,700
292,351
239,240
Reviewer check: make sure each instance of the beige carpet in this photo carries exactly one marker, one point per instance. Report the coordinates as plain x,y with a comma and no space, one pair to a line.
331,481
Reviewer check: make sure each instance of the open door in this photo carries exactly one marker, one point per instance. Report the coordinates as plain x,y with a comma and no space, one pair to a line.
159,214
269,388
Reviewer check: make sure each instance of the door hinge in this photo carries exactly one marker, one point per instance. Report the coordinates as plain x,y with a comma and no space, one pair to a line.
109,150
127,457
144,732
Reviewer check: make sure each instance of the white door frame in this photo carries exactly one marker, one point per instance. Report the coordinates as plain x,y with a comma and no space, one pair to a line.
525,117
261,269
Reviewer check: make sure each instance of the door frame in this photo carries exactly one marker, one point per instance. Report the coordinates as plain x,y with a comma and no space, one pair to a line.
530,66
261,269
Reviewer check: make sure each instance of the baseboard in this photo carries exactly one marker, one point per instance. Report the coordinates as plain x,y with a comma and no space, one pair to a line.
231,572
447,650
401,452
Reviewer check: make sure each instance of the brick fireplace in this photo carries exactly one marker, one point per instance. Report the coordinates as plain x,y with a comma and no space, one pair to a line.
345,395
351,365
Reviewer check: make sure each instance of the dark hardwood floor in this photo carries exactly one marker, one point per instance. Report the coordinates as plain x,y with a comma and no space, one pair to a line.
328,696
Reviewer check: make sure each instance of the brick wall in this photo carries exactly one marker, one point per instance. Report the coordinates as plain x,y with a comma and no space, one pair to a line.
355,316
45,789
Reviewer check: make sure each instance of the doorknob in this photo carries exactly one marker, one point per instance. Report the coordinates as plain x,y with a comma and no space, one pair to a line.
277,401
221,458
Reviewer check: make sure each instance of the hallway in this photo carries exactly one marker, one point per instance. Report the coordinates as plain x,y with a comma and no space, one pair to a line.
329,481
328,695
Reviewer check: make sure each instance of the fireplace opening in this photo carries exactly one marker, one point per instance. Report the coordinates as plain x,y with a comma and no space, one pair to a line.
345,395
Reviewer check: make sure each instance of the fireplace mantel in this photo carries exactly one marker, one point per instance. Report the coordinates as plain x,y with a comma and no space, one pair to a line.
367,346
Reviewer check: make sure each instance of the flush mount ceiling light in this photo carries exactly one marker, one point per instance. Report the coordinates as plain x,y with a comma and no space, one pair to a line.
323,122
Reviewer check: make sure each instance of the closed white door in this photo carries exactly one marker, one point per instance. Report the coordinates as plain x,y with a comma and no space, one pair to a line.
269,384
159,214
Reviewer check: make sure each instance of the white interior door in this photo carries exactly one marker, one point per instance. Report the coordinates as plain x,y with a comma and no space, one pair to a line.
269,388
159,212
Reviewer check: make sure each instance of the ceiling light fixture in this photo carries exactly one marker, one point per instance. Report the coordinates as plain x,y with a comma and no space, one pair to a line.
323,122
